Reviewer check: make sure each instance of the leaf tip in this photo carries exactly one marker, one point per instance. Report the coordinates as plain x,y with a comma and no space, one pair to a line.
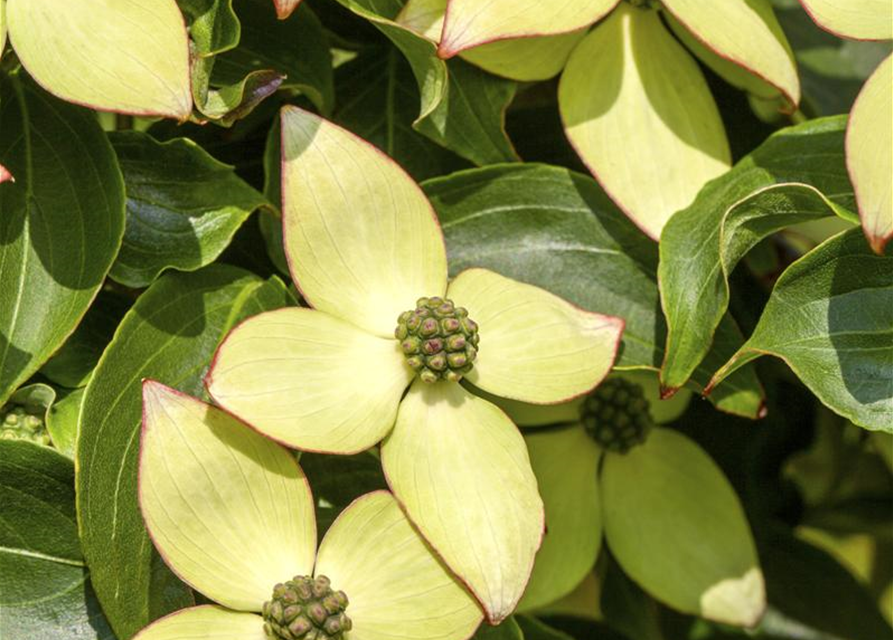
5,175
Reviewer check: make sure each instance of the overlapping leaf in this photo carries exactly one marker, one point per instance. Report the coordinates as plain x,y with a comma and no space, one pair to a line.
797,175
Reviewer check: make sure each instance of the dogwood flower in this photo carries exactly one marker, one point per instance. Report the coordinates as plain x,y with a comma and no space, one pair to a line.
366,251
628,82
667,512
232,514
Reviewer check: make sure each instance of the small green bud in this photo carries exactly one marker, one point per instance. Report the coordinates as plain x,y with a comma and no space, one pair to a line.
17,424
616,415
438,339
306,608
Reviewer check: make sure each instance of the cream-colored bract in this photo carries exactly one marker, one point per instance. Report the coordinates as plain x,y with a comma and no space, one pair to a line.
310,380
284,8
2,26
470,23
131,57
869,155
858,19
696,552
745,32
565,462
396,587
522,59
639,113
362,240
461,470
535,347
213,493
205,623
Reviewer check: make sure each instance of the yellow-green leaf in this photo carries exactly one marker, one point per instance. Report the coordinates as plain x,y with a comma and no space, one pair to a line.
470,23
746,33
229,510
639,112
362,240
131,57
395,583
677,528
310,380
2,27
460,469
204,623
535,347
523,59
565,462
869,155
858,19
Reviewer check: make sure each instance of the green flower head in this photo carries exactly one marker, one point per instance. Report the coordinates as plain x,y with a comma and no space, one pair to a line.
380,355
232,514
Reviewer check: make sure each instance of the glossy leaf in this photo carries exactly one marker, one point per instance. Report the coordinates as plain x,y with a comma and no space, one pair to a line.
449,460
629,90
206,622
61,223
869,155
131,57
169,335
229,510
392,578
557,229
183,207
746,33
362,241
44,590
795,176
860,19
844,357
575,349
696,552
295,47
462,108
378,101
565,462
310,380
474,22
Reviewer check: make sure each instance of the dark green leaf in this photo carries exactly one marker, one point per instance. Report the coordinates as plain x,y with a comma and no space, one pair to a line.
627,608
558,230
295,48
830,318
462,107
183,207
169,335
44,593
378,101
799,174
533,629
508,630
61,223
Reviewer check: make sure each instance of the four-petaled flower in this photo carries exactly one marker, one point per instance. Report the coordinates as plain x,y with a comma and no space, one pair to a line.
366,251
232,515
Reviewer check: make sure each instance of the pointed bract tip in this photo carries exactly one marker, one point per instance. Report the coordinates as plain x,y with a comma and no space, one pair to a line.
667,392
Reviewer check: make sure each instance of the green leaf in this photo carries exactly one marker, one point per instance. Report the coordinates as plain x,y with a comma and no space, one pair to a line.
213,25
73,363
296,48
169,335
797,175
462,107
801,581
558,230
533,629
183,207
508,630
830,318
61,223
62,422
627,608
44,593
378,101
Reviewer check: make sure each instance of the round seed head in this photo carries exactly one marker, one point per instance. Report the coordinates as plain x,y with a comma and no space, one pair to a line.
306,608
616,415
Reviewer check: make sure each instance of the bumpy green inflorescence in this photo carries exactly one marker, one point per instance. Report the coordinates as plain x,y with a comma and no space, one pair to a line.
18,424
306,608
438,339
616,415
